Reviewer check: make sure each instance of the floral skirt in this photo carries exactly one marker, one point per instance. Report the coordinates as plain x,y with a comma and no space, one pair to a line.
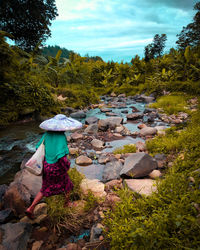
55,179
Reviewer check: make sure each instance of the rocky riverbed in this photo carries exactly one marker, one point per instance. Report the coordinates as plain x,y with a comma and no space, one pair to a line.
117,121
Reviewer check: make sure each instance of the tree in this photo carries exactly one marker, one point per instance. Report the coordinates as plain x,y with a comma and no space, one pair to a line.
190,35
156,48
27,20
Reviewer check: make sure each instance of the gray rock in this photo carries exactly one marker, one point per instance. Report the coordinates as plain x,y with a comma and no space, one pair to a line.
91,120
97,143
138,165
78,114
104,110
134,116
111,123
6,215
103,159
15,235
3,189
91,129
112,171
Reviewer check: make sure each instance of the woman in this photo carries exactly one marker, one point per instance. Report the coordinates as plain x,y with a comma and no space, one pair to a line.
55,179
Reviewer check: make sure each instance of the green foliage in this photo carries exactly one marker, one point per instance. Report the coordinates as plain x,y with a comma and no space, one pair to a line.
171,104
76,179
168,218
91,200
130,148
28,22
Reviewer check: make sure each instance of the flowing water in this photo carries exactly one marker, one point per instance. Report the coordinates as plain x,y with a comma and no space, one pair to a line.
18,141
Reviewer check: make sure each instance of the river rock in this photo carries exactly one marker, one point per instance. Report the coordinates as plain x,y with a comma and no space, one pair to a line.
155,174
6,215
113,184
103,159
15,235
91,120
138,165
141,186
17,197
119,129
83,160
148,131
112,171
161,160
32,182
91,129
97,143
111,123
134,109
95,186
78,114
73,151
76,136
134,116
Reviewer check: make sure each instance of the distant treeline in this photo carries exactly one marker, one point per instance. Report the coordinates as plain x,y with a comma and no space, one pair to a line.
53,50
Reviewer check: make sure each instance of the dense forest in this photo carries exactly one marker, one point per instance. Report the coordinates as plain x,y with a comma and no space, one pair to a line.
44,83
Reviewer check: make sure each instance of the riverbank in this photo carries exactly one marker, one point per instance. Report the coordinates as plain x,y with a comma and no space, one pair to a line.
88,149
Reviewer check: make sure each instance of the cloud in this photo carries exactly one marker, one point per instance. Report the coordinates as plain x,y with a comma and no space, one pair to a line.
112,29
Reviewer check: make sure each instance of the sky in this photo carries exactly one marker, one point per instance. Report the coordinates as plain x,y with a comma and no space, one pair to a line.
118,29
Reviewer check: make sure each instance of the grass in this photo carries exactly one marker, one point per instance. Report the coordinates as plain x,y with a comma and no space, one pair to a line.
171,104
167,219
130,148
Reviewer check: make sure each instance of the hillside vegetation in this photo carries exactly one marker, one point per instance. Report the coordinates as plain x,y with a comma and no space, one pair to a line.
29,82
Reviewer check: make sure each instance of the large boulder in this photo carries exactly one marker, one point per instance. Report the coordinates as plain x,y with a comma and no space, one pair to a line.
33,183
111,123
15,235
141,186
138,165
112,171
95,186
17,197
